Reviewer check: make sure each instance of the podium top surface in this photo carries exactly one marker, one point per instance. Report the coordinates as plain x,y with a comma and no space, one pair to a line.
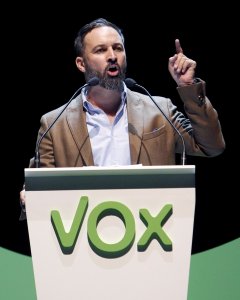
116,170
119,177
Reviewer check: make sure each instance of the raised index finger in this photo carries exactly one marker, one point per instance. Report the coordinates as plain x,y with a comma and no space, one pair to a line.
178,46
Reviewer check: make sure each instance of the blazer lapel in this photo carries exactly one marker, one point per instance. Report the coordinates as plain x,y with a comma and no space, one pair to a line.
135,124
76,119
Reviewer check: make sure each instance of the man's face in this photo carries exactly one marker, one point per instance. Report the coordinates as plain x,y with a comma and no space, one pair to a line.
104,57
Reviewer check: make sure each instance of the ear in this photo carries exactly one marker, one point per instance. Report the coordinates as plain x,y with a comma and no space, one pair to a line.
80,64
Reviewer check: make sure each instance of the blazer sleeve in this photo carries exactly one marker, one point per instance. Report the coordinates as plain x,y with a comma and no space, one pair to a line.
201,130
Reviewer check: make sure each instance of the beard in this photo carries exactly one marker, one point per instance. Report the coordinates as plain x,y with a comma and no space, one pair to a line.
108,82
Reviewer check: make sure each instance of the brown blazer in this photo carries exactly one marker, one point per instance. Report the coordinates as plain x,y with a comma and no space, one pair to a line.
152,139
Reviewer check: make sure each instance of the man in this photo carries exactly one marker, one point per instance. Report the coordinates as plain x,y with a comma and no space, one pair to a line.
108,124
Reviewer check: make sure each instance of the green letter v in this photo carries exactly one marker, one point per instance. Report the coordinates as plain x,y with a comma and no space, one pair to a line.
67,240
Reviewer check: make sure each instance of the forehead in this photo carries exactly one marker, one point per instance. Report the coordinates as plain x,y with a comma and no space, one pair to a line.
102,36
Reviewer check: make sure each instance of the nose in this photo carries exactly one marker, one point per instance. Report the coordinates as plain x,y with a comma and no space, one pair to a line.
112,57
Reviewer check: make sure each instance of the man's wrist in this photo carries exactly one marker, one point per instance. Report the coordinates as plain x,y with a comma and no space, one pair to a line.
195,80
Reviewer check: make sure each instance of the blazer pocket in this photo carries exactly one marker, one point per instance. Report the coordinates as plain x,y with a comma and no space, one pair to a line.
155,133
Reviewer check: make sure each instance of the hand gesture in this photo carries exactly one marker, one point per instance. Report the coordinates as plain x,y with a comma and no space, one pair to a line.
181,67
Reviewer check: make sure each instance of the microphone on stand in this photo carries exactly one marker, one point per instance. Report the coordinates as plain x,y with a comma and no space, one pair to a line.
131,83
92,82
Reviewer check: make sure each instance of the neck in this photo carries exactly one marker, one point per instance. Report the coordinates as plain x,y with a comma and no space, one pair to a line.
107,100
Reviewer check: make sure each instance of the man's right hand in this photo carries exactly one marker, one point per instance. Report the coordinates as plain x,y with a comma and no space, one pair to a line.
22,204
22,197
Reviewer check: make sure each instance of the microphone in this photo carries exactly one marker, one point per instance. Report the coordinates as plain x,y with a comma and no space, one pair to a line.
131,83
92,82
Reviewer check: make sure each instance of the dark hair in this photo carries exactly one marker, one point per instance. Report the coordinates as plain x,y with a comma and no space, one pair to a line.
79,40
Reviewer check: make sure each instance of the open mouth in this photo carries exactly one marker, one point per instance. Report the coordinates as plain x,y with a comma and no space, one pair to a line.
113,70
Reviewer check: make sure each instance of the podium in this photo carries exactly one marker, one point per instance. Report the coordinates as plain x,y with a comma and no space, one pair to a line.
111,233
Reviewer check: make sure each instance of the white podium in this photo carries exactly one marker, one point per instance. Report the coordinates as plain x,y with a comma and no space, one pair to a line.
121,233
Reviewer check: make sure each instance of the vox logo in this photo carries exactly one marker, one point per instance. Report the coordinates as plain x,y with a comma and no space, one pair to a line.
154,230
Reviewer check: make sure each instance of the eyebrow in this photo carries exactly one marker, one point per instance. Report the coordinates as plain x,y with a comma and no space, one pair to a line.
104,45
